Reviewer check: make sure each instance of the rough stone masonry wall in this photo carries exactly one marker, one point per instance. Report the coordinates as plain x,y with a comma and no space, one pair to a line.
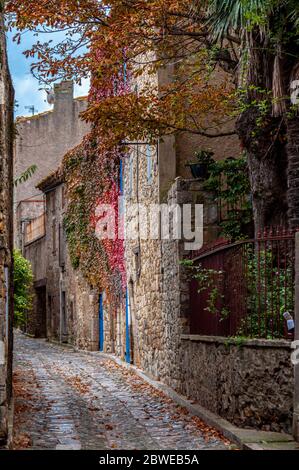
175,286
53,270
81,301
82,305
36,254
6,233
147,324
250,384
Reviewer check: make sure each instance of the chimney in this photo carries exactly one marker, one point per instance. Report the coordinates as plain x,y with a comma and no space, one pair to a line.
64,94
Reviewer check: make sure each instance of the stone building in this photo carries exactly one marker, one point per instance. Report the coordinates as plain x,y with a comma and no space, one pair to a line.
42,140
152,174
65,308
151,326
6,236
229,380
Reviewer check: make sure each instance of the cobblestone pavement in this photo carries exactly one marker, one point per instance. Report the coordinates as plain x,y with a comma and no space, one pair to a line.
72,400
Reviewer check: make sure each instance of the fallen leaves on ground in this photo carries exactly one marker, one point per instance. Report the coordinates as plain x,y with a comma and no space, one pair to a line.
76,382
22,441
178,413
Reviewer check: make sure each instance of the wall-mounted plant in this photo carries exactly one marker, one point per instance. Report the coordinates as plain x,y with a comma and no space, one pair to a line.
199,167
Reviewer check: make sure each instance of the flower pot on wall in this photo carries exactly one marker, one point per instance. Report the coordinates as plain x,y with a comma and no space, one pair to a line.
199,170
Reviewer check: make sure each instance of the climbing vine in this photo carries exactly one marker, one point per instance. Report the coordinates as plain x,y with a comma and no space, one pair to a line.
91,178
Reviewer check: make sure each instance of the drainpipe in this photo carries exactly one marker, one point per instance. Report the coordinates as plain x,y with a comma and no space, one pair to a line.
296,318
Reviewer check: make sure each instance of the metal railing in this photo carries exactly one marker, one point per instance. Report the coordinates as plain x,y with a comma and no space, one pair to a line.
244,288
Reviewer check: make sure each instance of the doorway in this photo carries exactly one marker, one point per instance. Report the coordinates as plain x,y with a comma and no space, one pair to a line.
41,312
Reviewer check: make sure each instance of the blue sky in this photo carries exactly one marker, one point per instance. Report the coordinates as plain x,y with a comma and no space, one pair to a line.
26,86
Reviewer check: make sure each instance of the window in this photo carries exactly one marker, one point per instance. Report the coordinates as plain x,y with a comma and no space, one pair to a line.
53,197
62,197
54,236
62,245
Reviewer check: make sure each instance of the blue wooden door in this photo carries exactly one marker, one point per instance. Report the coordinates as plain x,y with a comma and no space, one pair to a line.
128,321
101,323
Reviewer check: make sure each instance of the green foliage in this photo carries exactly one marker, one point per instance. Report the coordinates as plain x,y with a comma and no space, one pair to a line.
236,14
89,177
204,157
236,341
227,15
229,181
209,280
23,285
270,293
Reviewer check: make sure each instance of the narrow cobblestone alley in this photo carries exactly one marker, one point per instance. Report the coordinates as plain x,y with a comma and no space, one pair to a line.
72,400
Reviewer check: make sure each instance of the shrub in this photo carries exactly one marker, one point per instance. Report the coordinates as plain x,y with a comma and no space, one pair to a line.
23,288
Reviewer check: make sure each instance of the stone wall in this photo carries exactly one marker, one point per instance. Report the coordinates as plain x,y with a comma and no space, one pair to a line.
6,234
82,309
36,254
72,305
143,262
250,384
53,263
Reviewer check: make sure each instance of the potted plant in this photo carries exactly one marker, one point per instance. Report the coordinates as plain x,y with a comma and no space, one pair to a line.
200,166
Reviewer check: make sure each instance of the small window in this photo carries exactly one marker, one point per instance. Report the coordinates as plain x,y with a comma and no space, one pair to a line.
62,246
53,196
62,197
54,241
